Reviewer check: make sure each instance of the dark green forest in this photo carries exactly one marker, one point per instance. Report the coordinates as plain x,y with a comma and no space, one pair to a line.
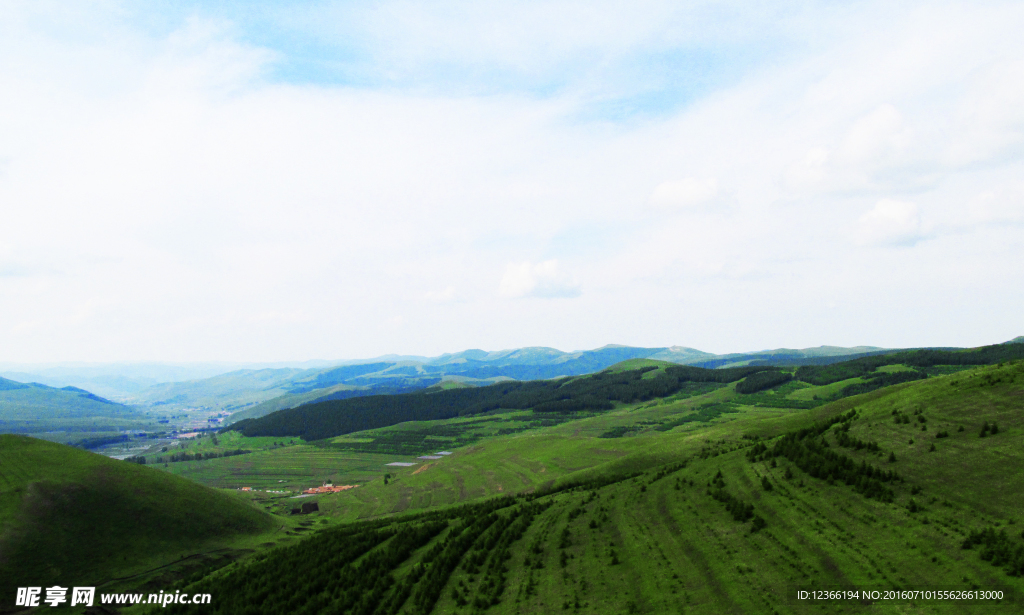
596,392
985,355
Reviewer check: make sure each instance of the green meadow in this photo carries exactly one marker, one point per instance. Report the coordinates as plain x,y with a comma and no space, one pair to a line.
707,516
704,501
74,517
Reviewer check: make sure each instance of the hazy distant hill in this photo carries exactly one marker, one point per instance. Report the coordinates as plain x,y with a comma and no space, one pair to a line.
229,390
120,380
481,367
33,407
256,392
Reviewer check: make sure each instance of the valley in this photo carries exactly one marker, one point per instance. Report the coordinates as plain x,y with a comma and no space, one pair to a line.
646,487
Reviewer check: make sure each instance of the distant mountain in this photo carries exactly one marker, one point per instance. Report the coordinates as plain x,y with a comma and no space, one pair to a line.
822,355
27,404
119,381
624,382
682,354
227,391
255,390
481,367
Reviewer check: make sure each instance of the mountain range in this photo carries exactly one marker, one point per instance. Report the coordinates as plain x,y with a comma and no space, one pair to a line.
257,392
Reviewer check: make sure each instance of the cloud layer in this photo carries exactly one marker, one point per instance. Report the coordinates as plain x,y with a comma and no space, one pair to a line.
543,280
200,185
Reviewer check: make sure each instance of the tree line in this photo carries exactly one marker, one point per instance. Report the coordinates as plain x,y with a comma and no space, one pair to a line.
593,393
812,454
865,366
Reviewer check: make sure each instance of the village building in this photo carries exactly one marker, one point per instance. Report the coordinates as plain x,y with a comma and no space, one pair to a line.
328,488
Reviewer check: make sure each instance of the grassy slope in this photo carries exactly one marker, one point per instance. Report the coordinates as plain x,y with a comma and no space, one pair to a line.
78,518
38,402
680,551
631,364
63,414
288,400
226,391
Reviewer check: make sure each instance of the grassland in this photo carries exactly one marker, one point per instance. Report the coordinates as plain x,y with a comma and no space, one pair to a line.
651,507
63,414
74,517
639,524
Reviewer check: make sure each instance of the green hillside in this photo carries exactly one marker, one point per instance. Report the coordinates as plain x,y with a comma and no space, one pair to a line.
635,379
251,393
34,408
594,392
232,390
28,402
913,486
288,400
71,517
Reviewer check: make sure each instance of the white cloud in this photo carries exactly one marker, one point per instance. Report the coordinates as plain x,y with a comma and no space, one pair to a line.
890,223
684,193
441,296
544,280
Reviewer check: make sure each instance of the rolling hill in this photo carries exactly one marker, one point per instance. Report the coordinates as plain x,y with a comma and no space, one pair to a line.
35,408
712,502
245,391
600,391
76,518
481,368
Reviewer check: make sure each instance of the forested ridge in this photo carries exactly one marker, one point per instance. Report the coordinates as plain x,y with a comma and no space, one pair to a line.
864,367
589,393
598,392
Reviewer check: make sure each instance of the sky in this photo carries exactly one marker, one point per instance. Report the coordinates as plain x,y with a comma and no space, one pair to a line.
286,181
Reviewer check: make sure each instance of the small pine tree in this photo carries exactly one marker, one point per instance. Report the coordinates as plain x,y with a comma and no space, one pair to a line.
912,506
931,449
767,486
892,457
789,473
994,429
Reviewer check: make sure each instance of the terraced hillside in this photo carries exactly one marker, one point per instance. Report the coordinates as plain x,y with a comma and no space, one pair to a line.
914,486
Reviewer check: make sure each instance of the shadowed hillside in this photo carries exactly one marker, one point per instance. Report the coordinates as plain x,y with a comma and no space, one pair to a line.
71,517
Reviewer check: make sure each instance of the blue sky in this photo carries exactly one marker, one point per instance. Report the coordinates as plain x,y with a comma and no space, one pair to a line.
269,181
644,60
